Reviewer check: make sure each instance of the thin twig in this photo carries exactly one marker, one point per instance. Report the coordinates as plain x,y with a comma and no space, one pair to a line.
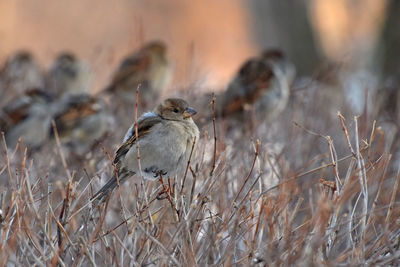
346,133
60,150
8,159
160,245
393,197
294,177
215,133
333,155
138,153
378,190
363,184
250,172
188,164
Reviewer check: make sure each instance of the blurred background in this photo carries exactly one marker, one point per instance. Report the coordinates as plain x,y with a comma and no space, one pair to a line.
346,52
208,40
346,55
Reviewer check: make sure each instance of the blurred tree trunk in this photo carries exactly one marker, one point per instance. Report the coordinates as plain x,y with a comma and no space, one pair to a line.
389,47
388,58
286,25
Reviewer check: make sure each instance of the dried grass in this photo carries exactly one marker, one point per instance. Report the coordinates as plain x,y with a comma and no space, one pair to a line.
310,188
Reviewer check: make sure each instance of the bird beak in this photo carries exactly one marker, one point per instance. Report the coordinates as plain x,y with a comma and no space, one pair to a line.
189,112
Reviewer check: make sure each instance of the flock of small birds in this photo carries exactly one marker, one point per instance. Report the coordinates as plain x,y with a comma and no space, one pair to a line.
32,99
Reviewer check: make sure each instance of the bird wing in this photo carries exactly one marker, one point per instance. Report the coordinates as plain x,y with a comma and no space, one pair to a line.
75,111
20,108
15,112
136,64
144,127
251,82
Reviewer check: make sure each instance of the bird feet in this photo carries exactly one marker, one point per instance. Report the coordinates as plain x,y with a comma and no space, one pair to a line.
159,173
156,172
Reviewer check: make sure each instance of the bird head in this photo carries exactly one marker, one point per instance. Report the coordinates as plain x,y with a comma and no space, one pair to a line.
273,54
20,62
21,57
156,48
67,63
175,109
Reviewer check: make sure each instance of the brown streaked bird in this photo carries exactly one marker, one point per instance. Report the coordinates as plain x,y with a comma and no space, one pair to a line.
148,67
20,73
28,117
165,139
81,120
69,76
263,82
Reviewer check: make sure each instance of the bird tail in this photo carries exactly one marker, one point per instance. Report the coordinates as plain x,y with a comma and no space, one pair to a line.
109,187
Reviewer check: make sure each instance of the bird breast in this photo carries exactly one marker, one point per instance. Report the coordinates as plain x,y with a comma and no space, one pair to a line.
166,149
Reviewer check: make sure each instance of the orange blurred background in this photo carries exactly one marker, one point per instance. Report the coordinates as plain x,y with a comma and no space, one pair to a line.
208,39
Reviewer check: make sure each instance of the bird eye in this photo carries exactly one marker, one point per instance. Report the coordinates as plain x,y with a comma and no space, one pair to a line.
176,110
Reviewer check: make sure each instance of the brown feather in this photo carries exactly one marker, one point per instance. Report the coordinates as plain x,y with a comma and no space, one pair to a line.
143,128
13,117
19,109
137,63
73,114
123,174
254,76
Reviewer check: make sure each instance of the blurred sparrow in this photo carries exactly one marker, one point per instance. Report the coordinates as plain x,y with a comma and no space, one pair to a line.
262,82
69,76
148,67
20,73
81,120
165,136
28,117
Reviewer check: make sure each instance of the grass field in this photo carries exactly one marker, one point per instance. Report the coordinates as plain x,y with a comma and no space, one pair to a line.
315,186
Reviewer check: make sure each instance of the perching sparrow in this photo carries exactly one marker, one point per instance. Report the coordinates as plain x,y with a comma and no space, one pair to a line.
20,73
80,121
28,117
68,76
262,82
148,67
166,137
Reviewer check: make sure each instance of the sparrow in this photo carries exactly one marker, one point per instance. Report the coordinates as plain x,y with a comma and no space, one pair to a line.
262,82
69,75
20,73
149,67
28,117
81,120
165,140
